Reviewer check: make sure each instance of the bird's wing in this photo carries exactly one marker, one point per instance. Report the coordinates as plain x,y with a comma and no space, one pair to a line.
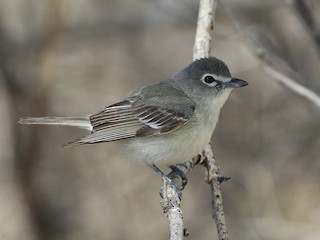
140,115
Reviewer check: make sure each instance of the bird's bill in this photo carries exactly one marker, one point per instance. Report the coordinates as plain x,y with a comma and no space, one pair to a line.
235,83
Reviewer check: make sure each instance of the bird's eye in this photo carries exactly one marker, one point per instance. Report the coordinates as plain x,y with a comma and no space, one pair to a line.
210,81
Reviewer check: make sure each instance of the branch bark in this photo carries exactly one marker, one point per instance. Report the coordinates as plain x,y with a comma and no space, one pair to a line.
205,25
171,197
171,208
214,179
202,47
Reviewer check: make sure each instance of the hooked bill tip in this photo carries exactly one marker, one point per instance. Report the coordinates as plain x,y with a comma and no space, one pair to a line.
235,83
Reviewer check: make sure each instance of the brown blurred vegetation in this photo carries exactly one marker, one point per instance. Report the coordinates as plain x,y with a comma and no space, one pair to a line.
70,58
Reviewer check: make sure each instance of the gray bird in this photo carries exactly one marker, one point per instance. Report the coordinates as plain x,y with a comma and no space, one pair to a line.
164,123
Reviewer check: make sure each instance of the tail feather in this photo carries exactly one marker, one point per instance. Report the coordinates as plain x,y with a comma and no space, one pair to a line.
106,135
80,122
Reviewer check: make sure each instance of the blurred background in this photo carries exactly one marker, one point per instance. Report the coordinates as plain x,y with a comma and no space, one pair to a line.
75,57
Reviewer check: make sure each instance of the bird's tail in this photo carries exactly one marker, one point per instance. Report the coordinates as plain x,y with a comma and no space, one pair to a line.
80,122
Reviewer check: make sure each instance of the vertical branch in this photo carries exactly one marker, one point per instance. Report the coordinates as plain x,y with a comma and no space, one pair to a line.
205,24
170,193
214,179
171,197
201,49
171,208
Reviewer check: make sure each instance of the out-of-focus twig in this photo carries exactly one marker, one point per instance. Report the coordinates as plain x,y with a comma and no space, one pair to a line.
276,67
290,83
271,61
306,13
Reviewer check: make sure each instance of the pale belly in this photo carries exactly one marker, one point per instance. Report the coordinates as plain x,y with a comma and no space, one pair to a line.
171,148
182,144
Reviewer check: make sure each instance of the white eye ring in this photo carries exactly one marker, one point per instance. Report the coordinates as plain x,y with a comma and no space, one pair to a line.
210,80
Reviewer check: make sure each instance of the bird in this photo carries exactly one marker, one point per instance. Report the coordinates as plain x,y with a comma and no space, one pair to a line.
163,123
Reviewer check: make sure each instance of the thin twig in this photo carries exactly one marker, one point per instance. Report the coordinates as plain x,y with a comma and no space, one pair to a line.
171,199
205,24
275,66
271,62
307,15
171,208
291,84
214,178
202,48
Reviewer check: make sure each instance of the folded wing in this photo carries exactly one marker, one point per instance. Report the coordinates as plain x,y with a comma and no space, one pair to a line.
136,117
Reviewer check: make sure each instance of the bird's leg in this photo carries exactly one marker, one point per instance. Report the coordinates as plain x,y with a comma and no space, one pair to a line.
178,176
165,177
157,170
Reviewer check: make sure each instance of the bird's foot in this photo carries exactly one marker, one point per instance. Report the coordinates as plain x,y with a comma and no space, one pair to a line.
167,180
